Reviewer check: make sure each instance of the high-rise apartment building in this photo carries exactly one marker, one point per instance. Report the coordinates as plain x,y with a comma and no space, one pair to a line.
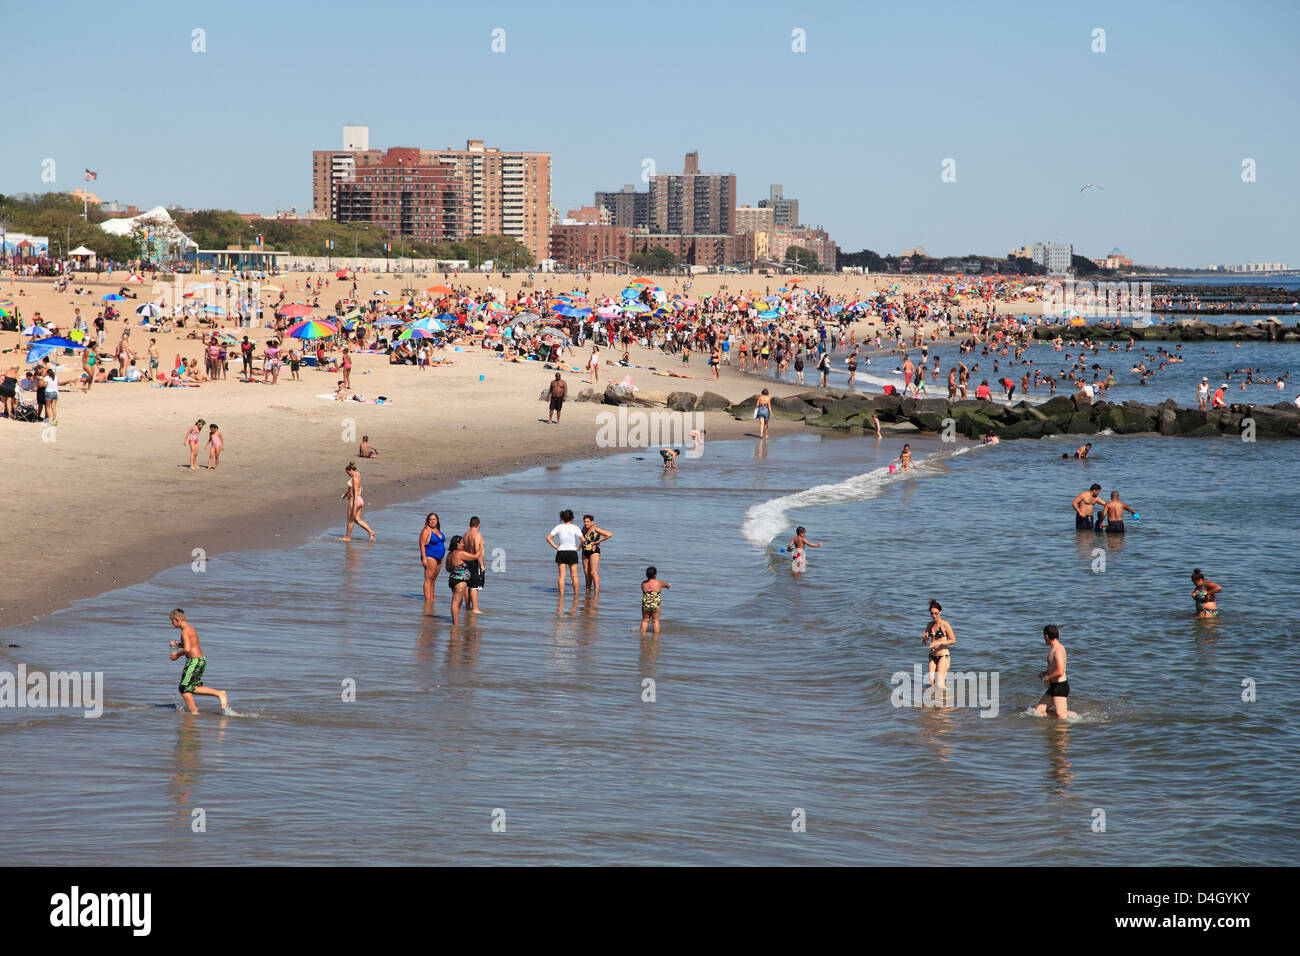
419,202
627,207
329,166
691,202
784,211
502,192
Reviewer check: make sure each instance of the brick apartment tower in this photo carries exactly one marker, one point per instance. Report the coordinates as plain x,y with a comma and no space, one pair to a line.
500,192
691,202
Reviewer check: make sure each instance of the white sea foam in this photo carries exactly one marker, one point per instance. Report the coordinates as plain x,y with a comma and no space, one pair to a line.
767,519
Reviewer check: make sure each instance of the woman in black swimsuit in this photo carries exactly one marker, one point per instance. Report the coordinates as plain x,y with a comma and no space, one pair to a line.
939,637
591,539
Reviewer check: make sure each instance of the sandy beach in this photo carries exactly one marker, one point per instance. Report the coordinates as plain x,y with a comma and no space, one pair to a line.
106,499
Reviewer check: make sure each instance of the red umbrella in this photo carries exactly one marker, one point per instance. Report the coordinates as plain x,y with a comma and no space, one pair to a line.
341,274
297,310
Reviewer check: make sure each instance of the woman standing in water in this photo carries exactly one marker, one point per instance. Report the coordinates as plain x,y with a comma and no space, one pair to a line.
458,574
1206,605
651,597
592,536
939,637
355,502
566,540
432,551
763,412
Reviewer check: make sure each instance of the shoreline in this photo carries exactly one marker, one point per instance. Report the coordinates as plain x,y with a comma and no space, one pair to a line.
281,523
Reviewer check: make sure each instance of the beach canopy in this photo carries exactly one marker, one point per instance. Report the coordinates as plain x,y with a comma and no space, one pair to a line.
58,342
43,347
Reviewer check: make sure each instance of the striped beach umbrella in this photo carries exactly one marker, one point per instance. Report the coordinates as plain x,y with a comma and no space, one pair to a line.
428,323
312,329
416,333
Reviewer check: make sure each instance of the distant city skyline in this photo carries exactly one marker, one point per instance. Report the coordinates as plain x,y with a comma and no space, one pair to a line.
964,129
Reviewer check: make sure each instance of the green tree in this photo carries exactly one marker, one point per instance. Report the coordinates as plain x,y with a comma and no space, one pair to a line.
654,259
801,258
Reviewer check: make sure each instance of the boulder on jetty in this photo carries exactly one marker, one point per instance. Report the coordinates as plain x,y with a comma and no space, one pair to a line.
683,401
783,409
712,402
616,394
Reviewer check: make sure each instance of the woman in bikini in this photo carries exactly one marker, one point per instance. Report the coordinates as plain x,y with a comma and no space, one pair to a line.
432,550
939,637
592,536
192,439
1204,595
458,574
355,502
650,600
347,367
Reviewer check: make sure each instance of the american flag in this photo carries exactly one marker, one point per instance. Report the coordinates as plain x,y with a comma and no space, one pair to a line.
91,175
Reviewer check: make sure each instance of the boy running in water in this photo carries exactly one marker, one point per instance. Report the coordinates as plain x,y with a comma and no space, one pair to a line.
195,663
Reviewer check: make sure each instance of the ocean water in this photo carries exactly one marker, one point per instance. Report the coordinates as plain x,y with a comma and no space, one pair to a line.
1178,380
776,696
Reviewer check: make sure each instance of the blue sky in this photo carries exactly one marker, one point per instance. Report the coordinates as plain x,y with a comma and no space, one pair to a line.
856,127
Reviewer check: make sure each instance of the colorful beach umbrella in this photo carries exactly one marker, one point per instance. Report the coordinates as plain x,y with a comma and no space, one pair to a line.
416,334
312,329
429,324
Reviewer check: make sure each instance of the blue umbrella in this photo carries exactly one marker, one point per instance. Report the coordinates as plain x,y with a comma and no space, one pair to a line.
215,309
59,342
42,347
111,297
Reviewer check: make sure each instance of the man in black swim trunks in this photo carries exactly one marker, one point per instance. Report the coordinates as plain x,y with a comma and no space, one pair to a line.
475,544
1084,504
1114,511
1058,687
558,390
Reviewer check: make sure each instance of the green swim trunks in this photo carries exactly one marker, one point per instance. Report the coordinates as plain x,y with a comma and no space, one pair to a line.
192,676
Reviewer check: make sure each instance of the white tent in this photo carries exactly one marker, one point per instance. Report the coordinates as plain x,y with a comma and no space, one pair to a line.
157,219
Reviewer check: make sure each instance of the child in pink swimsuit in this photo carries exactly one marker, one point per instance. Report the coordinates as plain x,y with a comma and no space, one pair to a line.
215,444
192,439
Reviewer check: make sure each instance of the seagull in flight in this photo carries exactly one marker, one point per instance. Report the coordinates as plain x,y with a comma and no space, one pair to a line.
1090,186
